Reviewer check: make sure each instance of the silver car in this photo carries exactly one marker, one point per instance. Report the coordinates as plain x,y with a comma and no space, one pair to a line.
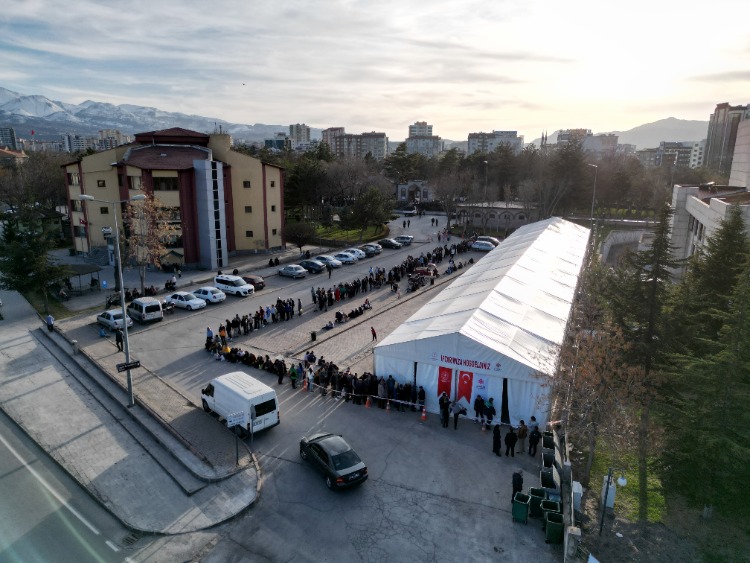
112,319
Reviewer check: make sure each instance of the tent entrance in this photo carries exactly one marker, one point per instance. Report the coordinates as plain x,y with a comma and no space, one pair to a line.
504,414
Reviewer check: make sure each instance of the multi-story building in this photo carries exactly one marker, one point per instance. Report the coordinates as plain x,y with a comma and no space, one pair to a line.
488,142
79,143
674,153
566,136
9,158
374,144
279,142
330,134
8,138
722,133
697,154
422,141
111,138
347,145
740,173
602,145
223,201
299,134
647,157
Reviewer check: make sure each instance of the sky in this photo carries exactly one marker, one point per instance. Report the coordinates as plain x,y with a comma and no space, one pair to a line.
462,66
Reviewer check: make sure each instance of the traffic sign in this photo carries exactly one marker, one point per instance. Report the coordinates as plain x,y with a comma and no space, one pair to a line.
129,365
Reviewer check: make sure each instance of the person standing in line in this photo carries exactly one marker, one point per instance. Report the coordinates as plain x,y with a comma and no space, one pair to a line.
299,307
444,403
534,438
478,409
118,339
523,431
404,224
496,442
510,443
50,320
517,483
421,397
489,410
330,269
457,410
408,224
293,376
374,334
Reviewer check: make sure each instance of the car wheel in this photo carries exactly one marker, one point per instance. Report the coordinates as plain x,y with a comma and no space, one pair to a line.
302,453
329,482
189,307
205,406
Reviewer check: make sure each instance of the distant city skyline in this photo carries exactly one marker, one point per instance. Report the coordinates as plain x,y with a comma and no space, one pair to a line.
462,67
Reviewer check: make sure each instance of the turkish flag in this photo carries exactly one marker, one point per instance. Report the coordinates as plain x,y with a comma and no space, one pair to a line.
444,380
83,221
465,379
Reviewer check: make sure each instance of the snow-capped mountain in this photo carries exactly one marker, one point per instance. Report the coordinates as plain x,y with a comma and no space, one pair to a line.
49,119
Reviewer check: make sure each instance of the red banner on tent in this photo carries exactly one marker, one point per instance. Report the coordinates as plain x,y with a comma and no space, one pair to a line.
444,381
465,379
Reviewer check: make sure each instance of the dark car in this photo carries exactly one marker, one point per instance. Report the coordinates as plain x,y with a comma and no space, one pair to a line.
313,266
335,459
389,243
256,281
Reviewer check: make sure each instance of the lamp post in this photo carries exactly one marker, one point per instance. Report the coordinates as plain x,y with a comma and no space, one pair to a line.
621,481
139,197
486,203
593,195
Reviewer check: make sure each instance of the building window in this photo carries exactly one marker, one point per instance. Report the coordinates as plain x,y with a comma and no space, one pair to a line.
79,232
248,209
165,184
273,183
104,210
521,217
76,205
246,184
273,208
101,183
273,231
73,179
249,234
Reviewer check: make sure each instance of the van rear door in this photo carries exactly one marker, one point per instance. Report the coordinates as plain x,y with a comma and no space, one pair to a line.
266,413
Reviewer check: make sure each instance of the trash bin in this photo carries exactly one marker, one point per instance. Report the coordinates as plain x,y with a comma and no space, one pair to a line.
313,336
536,496
548,440
548,458
554,527
521,508
549,506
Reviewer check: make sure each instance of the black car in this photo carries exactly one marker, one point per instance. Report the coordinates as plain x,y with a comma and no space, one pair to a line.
335,459
256,281
389,243
313,266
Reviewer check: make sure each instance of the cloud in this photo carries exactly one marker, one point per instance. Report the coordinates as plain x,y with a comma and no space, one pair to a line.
727,76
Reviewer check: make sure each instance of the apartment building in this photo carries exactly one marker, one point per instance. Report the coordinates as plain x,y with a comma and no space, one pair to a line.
299,135
488,142
722,134
422,141
223,201
8,139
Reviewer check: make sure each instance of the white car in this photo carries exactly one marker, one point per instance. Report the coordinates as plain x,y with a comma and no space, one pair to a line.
293,271
112,319
493,240
360,254
328,260
210,294
345,258
404,240
185,300
483,245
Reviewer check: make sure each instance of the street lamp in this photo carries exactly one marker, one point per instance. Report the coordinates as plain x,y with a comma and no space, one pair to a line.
593,195
139,197
621,481
486,203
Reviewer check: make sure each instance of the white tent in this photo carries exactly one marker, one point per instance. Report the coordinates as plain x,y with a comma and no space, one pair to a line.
496,330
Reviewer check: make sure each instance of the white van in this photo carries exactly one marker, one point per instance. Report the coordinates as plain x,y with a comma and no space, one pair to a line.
233,284
145,310
238,392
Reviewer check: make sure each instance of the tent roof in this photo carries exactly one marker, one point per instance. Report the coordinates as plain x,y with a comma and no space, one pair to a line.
515,300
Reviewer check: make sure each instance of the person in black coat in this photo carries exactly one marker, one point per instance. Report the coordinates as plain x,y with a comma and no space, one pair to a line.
510,443
534,438
444,409
496,443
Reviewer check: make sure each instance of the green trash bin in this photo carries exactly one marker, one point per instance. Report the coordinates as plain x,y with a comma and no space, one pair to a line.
521,508
535,504
549,506
554,529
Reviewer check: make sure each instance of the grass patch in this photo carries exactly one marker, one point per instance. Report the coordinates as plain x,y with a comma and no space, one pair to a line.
627,503
57,309
351,235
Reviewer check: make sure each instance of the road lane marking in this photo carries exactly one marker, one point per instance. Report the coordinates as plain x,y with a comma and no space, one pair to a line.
111,545
49,487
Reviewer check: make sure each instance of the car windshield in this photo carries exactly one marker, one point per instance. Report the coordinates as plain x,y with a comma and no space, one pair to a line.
345,460
238,283
189,297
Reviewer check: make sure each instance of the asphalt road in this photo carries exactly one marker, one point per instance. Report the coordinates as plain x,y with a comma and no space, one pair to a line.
45,515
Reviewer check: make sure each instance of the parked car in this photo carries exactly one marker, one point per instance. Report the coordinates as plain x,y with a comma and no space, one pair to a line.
210,294
375,246
345,258
404,240
335,459
493,240
185,300
389,243
112,319
328,260
360,254
256,281
482,245
234,285
410,212
369,250
313,266
293,271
